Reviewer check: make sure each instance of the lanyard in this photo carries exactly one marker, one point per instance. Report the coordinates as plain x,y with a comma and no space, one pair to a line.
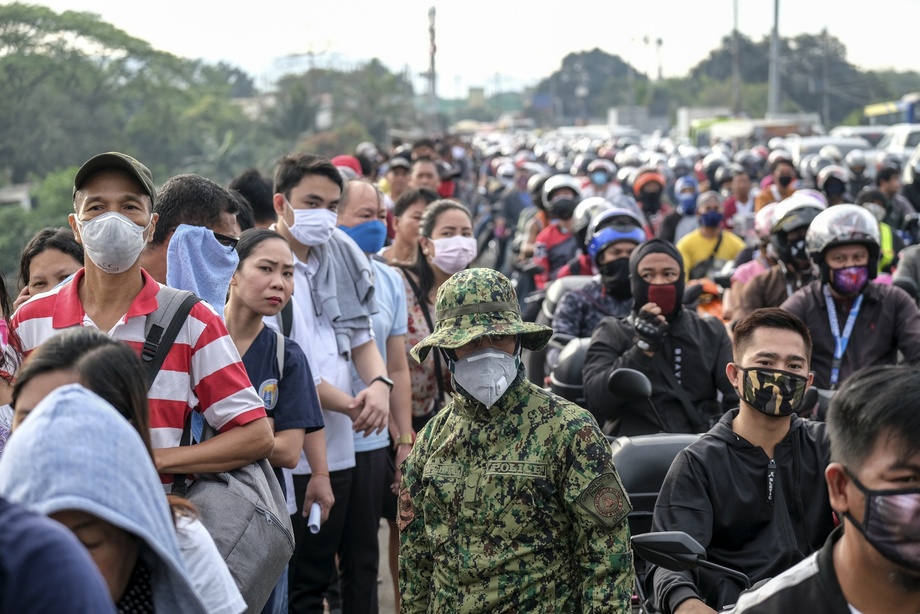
840,341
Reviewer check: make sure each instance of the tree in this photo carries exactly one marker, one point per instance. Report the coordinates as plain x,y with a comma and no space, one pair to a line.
376,98
589,82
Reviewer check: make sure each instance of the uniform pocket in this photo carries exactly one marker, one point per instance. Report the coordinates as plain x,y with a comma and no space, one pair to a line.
510,505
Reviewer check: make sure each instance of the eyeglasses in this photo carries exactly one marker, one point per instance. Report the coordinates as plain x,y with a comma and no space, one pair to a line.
226,241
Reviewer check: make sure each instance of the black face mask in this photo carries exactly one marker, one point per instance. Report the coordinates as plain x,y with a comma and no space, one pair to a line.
784,181
615,277
651,201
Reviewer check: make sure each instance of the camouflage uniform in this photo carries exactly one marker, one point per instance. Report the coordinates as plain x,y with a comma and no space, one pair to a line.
513,508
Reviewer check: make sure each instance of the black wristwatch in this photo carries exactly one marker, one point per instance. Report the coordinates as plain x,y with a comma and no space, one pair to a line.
382,378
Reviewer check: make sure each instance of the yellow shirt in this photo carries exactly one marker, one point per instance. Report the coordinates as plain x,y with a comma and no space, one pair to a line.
694,248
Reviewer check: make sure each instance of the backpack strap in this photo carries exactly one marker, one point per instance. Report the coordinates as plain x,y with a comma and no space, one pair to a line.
279,353
163,326
286,318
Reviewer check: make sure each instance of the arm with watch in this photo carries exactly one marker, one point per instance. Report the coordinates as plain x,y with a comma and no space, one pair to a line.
371,405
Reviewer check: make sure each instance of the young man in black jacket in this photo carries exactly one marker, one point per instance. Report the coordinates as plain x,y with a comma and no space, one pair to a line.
752,489
871,563
683,353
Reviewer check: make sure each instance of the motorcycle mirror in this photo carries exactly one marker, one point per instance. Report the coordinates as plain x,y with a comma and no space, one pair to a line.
723,281
629,384
673,550
811,398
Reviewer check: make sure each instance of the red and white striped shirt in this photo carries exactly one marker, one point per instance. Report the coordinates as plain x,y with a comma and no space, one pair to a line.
202,370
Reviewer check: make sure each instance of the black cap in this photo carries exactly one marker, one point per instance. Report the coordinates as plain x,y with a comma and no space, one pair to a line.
399,162
118,161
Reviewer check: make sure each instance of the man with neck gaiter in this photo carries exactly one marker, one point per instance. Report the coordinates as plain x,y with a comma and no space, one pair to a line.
854,323
682,352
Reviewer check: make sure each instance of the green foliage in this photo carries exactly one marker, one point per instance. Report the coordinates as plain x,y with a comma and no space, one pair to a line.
52,200
603,80
333,142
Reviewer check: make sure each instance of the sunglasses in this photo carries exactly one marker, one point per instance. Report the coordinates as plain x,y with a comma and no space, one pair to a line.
225,240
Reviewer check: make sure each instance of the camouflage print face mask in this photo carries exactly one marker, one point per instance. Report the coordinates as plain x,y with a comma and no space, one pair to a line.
771,391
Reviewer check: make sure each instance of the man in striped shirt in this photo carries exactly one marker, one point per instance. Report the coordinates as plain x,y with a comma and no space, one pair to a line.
113,219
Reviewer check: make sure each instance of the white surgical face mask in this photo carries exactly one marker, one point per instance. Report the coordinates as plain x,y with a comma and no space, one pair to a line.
453,254
486,374
312,227
112,241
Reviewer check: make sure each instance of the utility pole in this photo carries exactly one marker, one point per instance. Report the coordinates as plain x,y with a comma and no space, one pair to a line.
773,86
736,66
825,84
432,75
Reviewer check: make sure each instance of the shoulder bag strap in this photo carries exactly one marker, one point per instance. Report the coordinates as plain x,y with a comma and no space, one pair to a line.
279,354
286,317
422,303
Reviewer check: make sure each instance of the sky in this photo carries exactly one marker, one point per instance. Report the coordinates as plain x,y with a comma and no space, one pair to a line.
497,44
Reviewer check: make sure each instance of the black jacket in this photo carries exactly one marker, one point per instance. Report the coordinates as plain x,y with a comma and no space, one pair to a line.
888,321
719,490
696,349
811,586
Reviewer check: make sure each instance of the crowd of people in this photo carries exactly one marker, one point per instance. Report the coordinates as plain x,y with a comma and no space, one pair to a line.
217,394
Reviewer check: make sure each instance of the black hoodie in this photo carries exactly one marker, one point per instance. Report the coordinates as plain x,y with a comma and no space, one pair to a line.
753,514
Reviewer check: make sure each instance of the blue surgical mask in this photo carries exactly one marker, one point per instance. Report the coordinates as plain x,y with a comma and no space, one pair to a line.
711,219
370,236
598,177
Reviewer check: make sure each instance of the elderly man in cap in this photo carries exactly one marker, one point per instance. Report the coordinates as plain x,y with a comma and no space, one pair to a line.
113,219
509,500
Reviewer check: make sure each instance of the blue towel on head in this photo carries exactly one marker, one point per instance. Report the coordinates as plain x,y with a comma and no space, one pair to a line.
196,262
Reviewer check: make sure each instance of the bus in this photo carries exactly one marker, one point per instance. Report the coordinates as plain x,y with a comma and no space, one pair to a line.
903,111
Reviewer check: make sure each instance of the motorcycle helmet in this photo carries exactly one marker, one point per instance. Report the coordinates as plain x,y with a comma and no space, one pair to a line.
564,207
776,156
680,166
832,172
612,226
763,221
843,225
535,188
856,161
586,211
505,174
686,201
888,160
794,213
832,152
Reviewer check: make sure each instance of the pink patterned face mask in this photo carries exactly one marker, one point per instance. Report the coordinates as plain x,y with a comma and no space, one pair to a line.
849,280
4,334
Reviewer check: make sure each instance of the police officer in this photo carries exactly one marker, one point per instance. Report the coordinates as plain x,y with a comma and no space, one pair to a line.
509,501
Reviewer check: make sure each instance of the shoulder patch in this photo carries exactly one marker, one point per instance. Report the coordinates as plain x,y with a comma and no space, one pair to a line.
606,500
406,510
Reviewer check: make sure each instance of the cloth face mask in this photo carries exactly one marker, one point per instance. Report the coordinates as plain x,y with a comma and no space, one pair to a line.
771,391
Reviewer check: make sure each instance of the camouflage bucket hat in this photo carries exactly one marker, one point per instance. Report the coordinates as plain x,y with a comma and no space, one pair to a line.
478,302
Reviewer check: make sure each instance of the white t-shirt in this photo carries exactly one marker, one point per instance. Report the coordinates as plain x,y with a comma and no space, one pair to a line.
207,570
316,336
